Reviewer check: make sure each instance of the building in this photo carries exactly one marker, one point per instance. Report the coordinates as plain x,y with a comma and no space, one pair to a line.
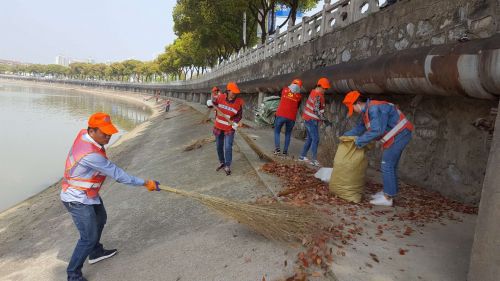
62,60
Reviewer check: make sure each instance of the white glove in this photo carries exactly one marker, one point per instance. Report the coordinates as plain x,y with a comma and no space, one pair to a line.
235,126
210,103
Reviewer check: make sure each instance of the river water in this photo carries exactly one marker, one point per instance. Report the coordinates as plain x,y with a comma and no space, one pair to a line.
37,128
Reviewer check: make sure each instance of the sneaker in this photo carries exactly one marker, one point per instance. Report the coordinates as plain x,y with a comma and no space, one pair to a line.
378,194
227,169
381,201
303,159
276,151
78,278
315,163
102,256
220,167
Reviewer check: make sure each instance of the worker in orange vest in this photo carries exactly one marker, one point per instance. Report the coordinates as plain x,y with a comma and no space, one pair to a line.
381,121
286,114
87,166
167,105
313,113
215,92
229,112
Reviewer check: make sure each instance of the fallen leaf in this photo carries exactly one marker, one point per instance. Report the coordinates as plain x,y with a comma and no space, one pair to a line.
374,257
316,274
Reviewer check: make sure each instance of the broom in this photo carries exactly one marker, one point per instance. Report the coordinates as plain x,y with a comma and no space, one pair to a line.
206,117
262,155
279,222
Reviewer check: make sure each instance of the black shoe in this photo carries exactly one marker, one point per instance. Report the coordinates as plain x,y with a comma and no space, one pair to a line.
285,154
220,167
276,151
79,278
102,256
227,170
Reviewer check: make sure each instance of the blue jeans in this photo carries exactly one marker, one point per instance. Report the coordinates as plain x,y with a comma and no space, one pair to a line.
278,123
390,161
90,221
224,143
312,139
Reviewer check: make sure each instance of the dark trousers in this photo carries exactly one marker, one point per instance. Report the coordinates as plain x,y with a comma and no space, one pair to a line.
278,124
224,143
90,221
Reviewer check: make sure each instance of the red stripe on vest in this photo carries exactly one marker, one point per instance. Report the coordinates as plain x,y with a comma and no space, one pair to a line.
403,123
80,149
229,110
308,113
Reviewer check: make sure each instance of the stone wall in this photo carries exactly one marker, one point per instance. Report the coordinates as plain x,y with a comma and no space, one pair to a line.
447,153
407,24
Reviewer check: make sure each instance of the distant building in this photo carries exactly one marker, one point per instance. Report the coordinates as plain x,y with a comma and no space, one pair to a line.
62,60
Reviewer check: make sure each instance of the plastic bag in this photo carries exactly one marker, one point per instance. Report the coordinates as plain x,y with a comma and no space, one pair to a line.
324,174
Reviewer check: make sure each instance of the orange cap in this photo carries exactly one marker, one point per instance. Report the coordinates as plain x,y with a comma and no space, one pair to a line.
103,122
349,101
231,86
215,89
297,82
323,83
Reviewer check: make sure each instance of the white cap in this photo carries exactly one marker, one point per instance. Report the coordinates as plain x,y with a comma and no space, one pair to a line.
294,88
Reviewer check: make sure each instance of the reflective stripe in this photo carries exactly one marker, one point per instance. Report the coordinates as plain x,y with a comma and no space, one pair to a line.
83,184
222,122
394,131
309,106
223,106
311,114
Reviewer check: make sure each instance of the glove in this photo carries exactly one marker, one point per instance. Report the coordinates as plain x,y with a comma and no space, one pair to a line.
235,126
210,103
152,185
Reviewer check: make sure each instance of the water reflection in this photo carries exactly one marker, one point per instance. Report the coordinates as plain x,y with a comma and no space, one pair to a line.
38,126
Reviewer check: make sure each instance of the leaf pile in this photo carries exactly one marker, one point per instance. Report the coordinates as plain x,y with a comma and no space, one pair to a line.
414,206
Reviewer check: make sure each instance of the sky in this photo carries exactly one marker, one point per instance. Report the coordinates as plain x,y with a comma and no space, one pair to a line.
36,31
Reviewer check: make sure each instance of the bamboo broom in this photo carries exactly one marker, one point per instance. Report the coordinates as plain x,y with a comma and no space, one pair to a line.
278,221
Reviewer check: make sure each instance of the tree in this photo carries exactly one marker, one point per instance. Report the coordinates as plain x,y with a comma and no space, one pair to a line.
297,5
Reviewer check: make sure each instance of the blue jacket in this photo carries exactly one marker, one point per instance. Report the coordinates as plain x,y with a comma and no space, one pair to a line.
383,118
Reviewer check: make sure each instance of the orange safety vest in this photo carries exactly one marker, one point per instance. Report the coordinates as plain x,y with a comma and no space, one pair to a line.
388,138
228,111
310,103
80,149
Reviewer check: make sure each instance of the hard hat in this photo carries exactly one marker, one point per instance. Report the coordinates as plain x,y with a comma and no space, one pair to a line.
349,101
102,121
215,89
297,82
323,83
231,86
